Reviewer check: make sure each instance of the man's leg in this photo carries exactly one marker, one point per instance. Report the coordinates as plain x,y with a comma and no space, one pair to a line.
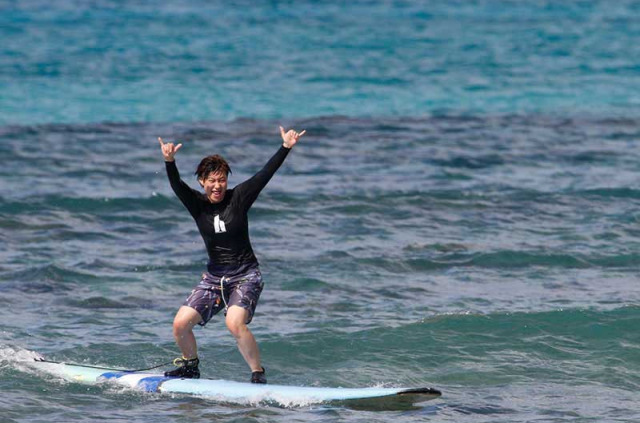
186,318
236,323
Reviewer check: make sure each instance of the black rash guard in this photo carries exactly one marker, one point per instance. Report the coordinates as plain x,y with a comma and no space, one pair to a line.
224,226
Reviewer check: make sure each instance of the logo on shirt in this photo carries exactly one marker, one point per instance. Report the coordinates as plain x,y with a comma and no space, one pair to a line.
218,225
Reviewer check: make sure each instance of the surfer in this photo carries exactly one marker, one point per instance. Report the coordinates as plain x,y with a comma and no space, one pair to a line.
233,281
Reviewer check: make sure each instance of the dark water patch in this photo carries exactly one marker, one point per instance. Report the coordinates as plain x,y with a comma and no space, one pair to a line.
175,267
33,287
51,278
398,200
397,265
109,303
101,267
498,260
485,410
351,207
438,247
514,259
590,157
198,132
91,171
619,261
140,302
478,162
19,131
306,284
97,303
265,212
88,206
335,254
448,175
502,260
20,224
605,193
83,235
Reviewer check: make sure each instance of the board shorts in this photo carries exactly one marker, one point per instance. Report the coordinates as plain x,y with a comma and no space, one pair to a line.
207,298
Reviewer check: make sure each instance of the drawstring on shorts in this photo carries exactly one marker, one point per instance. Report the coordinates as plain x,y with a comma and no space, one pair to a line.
226,305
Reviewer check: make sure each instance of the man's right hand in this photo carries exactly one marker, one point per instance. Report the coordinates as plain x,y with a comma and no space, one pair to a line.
169,150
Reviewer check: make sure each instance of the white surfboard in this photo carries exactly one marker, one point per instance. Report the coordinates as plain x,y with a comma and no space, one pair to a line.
237,392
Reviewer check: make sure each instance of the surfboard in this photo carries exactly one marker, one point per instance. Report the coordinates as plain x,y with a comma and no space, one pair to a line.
239,392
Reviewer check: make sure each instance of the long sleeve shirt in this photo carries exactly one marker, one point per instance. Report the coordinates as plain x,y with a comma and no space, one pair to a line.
224,226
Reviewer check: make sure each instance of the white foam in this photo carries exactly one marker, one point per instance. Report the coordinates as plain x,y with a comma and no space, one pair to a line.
10,354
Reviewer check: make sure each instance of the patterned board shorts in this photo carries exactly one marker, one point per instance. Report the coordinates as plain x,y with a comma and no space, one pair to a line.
241,290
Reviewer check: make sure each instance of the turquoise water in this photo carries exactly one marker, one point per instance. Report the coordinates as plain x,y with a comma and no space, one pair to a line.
463,212
199,60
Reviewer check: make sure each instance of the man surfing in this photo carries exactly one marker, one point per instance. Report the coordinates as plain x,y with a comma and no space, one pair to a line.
233,281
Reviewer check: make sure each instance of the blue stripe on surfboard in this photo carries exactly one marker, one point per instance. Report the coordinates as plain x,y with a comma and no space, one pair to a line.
151,384
113,375
147,384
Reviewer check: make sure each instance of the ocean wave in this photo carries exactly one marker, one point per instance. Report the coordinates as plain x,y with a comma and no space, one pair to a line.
100,302
48,278
86,205
507,259
474,349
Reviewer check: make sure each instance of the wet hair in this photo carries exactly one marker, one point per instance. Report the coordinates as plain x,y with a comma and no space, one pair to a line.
212,164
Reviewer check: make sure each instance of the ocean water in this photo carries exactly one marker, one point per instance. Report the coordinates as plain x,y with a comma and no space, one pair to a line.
462,214
140,61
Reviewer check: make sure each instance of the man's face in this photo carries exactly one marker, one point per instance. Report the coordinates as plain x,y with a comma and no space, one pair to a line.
215,186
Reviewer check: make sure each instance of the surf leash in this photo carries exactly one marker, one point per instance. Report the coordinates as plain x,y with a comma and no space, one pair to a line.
44,360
